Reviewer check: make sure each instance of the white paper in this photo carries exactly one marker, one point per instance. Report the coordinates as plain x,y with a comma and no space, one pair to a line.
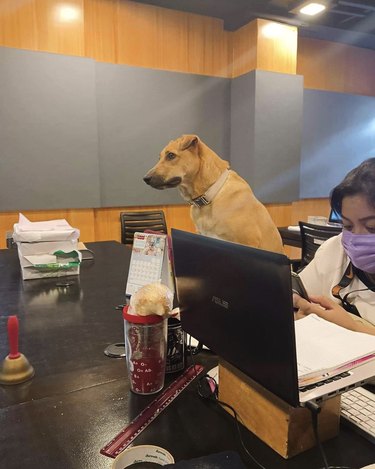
53,230
323,345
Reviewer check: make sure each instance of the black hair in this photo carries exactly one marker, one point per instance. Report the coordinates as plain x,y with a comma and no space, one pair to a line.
360,180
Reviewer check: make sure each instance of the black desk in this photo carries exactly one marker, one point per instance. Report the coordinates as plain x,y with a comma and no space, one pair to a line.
290,237
79,398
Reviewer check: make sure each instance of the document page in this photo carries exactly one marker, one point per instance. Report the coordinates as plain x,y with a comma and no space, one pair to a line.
323,348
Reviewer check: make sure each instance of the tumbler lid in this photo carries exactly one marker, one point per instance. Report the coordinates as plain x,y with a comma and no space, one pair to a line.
134,318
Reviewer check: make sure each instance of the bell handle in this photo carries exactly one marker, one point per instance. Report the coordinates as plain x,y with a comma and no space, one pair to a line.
13,337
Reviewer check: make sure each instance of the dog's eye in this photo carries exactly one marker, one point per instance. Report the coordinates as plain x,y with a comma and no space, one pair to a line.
170,156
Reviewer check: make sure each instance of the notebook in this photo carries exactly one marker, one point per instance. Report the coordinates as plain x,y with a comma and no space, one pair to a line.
237,300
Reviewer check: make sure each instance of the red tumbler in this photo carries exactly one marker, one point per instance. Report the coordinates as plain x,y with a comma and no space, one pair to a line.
146,351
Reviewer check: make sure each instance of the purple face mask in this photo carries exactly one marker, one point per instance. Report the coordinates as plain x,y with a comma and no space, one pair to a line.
360,249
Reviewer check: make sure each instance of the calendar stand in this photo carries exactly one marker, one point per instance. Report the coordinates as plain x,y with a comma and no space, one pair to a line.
149,263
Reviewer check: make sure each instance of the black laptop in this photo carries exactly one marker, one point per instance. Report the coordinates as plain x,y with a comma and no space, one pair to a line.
334,218
237,300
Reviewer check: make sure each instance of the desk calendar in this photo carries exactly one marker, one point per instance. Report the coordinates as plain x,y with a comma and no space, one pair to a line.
149,262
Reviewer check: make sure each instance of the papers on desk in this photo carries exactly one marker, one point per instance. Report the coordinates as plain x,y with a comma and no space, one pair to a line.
294,228
46,248
26,231
325,349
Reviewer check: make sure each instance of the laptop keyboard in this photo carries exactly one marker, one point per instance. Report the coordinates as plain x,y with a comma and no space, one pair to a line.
358,411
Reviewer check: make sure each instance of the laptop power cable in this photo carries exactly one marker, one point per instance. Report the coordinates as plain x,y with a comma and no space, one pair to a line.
207,388
315,410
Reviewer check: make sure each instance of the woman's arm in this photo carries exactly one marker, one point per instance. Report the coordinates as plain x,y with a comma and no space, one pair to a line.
331,311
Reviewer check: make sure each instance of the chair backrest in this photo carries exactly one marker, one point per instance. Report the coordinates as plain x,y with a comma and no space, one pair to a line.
132,222
10,243
312,236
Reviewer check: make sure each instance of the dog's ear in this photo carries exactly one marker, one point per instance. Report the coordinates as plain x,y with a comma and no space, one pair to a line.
189,141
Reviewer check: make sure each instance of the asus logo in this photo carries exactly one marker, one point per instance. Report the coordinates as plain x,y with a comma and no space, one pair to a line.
220,302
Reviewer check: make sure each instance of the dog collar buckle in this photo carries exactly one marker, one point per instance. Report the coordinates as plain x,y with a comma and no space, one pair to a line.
200,201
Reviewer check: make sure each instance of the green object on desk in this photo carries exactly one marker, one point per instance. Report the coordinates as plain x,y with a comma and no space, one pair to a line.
61,265
57,266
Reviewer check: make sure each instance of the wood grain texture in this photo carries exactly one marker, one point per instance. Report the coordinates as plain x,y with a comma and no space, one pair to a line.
143,35
159,38
18,24
264,45
101,224
336,67
244,49
301,209
60,26
277,47
284,428
101,29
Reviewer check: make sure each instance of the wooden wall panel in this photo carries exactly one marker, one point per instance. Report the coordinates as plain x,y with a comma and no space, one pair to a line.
143,35
277,51
18,24
166,39
101,30
301,209
78,218
264,45
99,224
336,67
244,53
60,26
103,223
214,57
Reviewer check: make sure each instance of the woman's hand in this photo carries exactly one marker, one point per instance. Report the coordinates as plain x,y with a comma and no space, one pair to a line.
329,310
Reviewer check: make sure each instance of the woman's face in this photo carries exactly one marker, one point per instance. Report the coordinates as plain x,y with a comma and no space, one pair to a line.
357,215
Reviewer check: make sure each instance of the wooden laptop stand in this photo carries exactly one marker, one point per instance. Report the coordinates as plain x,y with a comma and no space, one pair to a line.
286,429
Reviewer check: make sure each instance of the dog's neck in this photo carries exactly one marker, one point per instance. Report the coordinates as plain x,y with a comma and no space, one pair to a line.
210,170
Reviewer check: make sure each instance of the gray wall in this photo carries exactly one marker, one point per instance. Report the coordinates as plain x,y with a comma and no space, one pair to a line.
338,133
140,111
266,109
48,131
79,133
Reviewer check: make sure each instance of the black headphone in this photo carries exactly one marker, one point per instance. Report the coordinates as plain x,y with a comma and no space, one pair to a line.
350,308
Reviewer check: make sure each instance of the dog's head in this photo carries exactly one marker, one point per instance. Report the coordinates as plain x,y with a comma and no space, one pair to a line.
178,163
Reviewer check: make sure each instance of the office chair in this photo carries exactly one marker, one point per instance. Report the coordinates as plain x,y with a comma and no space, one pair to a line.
312,236
141,221
10,243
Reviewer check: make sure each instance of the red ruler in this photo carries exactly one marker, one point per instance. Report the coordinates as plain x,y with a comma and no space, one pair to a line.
136,426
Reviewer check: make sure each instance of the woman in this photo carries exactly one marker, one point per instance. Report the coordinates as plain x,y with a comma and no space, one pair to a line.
340,279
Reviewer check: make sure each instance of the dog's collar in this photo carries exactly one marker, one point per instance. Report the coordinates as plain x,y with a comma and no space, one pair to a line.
211,192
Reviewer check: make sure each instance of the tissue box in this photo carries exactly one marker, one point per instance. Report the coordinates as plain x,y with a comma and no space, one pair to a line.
47,249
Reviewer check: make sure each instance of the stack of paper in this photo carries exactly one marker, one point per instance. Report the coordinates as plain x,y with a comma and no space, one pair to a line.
38,231
325,349
47,248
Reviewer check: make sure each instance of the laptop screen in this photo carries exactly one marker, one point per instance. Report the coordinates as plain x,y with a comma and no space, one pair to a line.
237,301
334,217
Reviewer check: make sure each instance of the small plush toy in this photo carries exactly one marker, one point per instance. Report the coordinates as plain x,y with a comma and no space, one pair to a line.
154,298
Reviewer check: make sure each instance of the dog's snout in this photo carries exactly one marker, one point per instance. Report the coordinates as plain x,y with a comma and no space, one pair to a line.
147,179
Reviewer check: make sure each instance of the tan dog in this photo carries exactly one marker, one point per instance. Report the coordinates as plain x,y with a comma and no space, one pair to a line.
223,204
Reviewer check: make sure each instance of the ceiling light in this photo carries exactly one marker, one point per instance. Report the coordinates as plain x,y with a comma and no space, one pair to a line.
312,9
